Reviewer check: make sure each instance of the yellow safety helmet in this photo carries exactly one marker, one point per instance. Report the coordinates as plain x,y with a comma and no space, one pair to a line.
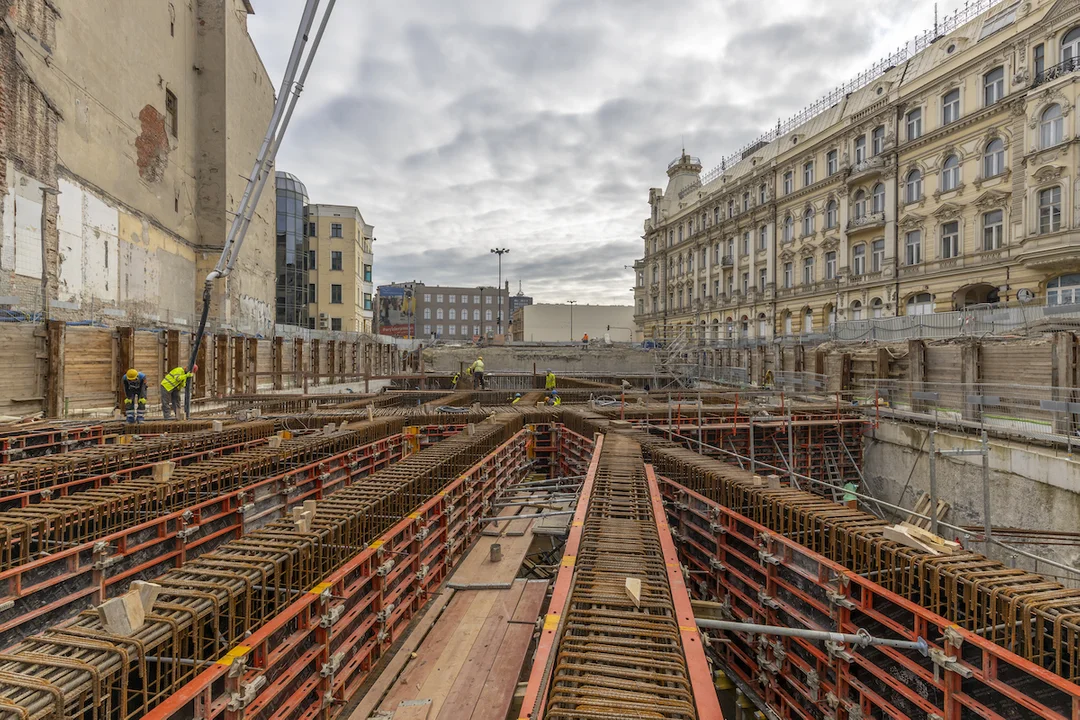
479,357
132,374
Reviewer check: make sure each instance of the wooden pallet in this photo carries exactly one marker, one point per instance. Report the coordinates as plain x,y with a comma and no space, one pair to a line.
922,507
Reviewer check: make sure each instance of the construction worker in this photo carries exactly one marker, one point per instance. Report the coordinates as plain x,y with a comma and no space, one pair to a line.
477,369
585,341
517,398
453,381
850,498
171,385
554,399
134,383
549,381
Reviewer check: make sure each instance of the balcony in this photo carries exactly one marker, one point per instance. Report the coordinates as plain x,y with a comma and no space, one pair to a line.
727,261
1053,73
866,222
865,278
866,168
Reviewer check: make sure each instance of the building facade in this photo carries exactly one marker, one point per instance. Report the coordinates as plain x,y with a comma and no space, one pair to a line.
517,302
452,314
292,251
339,253
126,134
569,323
940,180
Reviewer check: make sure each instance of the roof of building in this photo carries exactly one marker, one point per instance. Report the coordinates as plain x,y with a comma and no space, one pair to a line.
288,181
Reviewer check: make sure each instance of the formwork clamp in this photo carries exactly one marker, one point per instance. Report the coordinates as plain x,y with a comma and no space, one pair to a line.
331,665
248,691
715,564
46,493
384,569
102,559
813,684
767,600
422,533
331,616
422,572
949,663
840,599
383,616
839,650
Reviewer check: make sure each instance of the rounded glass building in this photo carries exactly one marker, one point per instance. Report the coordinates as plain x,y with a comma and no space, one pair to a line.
292,270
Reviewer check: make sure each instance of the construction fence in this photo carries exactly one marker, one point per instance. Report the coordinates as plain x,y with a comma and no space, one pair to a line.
66,369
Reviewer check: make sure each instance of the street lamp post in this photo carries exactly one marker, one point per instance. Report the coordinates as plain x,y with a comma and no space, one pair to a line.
572,319
410,298
498,318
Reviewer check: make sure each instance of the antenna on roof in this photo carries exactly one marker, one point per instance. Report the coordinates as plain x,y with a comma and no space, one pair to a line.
935,20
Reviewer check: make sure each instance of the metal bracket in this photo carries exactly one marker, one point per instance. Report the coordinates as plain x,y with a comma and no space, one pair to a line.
948,662
839,650
384,615
953,637
184,534
422,533
715,564
248,691
46,493
813,684
854,712
332,616
422,572
767,600
384,569
839,599
331,666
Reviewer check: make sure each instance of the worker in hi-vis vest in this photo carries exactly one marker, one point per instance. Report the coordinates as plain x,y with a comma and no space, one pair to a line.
134,383
549,381
477,369
171,385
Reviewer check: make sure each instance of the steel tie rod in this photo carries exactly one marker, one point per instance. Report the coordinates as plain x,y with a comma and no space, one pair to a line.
859,639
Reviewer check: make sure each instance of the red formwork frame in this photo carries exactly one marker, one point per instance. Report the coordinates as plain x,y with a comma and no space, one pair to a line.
15,445
94,571
309,659
540,675
29,497
759,576
706,702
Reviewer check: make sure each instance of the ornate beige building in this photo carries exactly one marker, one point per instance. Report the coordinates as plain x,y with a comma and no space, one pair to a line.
940,179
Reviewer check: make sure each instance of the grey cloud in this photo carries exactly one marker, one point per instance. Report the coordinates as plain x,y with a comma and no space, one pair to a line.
455,125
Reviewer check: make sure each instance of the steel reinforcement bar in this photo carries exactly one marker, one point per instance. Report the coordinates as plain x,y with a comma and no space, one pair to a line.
27,533
41,472
214,601
619,639
54,588
1030,615
316,655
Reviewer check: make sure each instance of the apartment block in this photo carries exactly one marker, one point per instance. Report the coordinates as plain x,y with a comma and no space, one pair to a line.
339,260
938,180
439,312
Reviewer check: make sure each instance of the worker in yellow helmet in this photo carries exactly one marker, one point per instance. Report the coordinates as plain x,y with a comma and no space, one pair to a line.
477,369
517,399
171,385
554,399
134,383
549,381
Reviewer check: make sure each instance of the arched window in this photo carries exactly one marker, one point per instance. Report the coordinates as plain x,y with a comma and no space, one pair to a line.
680,265
789,228
856,310
744,327
950,174
993,86
762,193
730,328
876,308
762,325
715,329
878,198
921,304
656,273
808,321
950,107
787,323
860,205
913,187
994,158
1051,126
689,262
1070,45
1063,290
832,214
808,222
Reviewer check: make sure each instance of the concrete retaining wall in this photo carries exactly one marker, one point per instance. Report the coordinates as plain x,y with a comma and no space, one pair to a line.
601,360
1030,486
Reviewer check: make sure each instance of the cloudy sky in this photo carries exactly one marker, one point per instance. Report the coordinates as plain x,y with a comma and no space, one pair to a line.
539,125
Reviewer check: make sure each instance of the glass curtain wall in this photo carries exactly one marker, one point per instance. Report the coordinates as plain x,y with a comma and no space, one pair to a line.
292,270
